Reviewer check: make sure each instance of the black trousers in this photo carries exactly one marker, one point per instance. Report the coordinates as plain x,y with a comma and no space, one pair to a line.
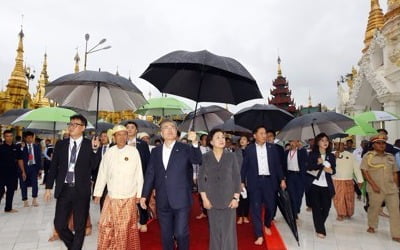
69,201
46,167
243,208
321,202
103,197
9,183
143,214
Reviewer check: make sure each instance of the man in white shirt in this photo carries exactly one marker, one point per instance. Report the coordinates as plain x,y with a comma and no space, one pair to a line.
121,170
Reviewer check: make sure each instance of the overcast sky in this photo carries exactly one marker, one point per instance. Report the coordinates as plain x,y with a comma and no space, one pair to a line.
317,40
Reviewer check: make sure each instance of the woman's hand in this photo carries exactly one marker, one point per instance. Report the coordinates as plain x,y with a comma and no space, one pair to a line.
234,204
328,170
207,204
320,161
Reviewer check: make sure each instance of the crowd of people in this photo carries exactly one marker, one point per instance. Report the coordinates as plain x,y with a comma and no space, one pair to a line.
132,181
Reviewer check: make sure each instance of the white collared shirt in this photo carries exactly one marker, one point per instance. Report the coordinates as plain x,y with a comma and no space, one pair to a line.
166,153
292,161
262,159
71,167
322,178
132,142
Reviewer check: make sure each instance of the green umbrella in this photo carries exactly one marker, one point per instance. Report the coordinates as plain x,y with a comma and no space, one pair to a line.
163,106
361,128
376,116
53,118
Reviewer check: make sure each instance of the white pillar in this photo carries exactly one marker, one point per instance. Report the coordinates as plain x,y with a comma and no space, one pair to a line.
393,127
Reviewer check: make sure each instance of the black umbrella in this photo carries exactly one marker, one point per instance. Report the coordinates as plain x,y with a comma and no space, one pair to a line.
230,127
144,126
285,206
202,77
205,118
270,116
9,116
102,126
94,91
309,125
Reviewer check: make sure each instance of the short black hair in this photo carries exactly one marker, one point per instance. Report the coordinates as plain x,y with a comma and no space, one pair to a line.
133,123
157,141
201,136
382,130
79,117
317,139
103,132
350,140
178,133
397,143
211,135
28,133
18,137
271,131
7,131
255,130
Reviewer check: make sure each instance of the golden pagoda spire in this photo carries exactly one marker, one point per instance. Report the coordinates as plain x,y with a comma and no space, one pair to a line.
393,9
17,88
39,100
279,67
375,22
77,60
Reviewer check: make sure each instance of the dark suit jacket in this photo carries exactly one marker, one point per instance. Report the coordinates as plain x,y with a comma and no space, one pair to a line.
85,163
249,171
302,159
144,153
37,154
174,184
313,165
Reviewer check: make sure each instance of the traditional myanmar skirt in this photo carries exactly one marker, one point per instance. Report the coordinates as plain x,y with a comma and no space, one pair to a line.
344,197
118,225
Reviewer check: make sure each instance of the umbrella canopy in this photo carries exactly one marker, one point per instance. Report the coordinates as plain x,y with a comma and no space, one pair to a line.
102,126
9,116
309,125
361,128
260,114
205,118
203,77
94,91
163,106
230,127
376,116
144,126
284,205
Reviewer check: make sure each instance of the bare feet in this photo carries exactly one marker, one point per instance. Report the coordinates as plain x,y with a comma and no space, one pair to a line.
259,241
397,239
201,216
143,228
26,203
35,203
88,231
321,236
371,230
268,231
240,220
11,211
308,209
246,220
339,218
54,238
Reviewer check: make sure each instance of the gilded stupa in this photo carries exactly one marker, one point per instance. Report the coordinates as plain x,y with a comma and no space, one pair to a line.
16,95
38,100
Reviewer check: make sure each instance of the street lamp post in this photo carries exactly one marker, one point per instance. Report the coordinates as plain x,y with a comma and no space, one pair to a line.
93,49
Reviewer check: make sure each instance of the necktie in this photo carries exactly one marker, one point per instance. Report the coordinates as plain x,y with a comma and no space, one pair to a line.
70,173
30,155
104,149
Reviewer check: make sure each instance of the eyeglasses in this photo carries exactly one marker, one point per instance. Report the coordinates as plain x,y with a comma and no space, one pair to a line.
74,125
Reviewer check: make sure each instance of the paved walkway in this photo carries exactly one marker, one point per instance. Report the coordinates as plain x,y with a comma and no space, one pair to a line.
31,227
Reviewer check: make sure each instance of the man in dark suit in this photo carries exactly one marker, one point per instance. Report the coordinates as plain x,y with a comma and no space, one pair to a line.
295,169
105,145
32,157
144,153
71,167
262,171
170,171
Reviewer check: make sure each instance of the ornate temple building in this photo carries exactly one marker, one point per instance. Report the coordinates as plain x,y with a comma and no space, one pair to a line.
16,95
376,83
281,94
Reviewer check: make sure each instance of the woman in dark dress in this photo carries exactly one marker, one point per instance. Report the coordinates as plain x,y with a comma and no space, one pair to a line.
243,209
219,186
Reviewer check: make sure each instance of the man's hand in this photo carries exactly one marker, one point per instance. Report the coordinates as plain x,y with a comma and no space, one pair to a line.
143,203
23,175
192,137
376,189
360,185
242,187
95,142
207,204
47,195
283,184
96,200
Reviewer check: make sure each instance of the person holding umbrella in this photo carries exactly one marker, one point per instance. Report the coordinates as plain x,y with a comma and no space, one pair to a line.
262,170
219,187
322,165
